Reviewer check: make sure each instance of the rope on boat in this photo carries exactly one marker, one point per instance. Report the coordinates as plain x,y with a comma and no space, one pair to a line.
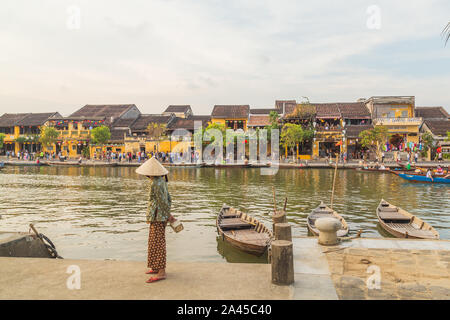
47,243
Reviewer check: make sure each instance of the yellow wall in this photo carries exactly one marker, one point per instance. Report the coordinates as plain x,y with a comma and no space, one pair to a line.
222,121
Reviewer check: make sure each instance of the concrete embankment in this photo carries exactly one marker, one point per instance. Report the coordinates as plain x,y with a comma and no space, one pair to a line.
282,165
356,269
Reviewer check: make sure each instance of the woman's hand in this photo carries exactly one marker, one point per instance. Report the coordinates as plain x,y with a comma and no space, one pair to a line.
172,219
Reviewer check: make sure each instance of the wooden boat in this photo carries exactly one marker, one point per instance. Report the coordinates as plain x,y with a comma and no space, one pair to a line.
402,224
322,211
423,178
243,231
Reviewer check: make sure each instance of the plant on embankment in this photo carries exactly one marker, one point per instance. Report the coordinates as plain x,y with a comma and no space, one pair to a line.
100,135
2,138
49,136
428,144
373,139
292,135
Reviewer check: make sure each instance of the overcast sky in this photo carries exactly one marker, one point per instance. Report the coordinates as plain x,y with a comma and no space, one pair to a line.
154,53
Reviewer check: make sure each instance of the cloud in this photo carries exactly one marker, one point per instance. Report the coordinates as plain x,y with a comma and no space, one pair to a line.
156,53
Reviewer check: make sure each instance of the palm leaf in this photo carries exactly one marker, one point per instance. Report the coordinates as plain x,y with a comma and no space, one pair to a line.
446,33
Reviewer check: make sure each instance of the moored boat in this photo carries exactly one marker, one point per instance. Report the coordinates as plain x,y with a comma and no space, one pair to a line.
243,231
402,224
322,211
423,178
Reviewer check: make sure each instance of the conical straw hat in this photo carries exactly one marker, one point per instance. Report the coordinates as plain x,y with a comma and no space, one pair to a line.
152,167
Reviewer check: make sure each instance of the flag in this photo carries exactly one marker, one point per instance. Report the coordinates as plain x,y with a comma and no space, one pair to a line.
339,143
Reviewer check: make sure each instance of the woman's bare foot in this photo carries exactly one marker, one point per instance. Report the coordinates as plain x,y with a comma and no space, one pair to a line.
161,275
151,271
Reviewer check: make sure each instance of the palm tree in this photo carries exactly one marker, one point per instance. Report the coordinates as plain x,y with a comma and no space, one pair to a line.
446,33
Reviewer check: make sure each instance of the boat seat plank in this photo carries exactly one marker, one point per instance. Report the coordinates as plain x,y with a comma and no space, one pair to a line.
393,216
388,209
234,223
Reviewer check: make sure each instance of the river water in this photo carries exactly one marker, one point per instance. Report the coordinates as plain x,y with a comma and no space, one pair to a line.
99,213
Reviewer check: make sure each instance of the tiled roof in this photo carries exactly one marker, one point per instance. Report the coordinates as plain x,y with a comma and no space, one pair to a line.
353,131
144,120
118,134
258,121
263,111
438,127
287,103
432,113
10,119
354,110
178,108
37,119
327,110
124,122
106,111
188,124
230,111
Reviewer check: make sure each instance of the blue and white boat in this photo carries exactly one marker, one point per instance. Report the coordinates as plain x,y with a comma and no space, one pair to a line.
420,178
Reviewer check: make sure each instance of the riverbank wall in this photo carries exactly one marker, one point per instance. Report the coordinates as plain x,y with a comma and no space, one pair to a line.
319,164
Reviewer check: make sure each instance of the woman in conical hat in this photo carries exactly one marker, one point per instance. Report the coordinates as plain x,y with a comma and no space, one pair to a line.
158,213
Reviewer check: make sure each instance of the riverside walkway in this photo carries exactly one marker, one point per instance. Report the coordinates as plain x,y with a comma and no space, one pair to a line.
357,269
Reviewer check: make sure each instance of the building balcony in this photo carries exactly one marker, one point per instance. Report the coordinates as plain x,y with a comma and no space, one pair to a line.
398,121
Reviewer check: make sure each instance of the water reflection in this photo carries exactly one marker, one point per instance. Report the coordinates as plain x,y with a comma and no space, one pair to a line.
98,213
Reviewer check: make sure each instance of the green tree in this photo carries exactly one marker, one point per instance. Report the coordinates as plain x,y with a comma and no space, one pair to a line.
49,136
274,118
448,136
373,139
100,135
85,152
291,135
2,138
428,144
204,134
303,110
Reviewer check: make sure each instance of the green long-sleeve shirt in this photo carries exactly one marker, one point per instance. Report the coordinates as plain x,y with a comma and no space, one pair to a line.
159,200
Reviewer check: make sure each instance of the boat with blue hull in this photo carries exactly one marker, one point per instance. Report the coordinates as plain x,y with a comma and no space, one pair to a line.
421,178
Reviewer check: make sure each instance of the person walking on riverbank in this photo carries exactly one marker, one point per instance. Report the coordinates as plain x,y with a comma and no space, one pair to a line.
158,214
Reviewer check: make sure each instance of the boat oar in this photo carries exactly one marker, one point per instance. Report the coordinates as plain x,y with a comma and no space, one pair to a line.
285,202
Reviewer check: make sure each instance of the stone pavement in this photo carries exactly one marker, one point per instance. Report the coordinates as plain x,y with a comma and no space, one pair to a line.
405,268
390,269
39,278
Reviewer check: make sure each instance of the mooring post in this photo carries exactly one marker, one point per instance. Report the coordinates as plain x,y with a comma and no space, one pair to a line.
283,231
328,228
282,262
278,217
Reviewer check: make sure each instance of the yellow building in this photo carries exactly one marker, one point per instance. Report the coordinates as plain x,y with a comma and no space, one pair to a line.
231,116
22,130
398,115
